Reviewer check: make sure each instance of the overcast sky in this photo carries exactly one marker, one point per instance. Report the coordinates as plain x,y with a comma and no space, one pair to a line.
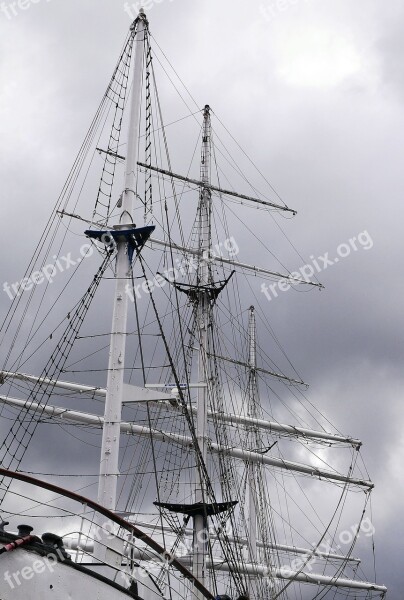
314,90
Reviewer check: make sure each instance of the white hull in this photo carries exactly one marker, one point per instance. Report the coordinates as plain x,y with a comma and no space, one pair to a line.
26,575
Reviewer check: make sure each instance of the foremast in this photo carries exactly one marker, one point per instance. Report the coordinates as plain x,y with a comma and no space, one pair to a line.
109,464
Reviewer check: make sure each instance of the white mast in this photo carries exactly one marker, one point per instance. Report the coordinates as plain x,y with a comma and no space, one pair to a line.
252,413
203,318
113,404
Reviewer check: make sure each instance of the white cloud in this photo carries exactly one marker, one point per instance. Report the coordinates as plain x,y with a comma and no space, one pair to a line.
315,57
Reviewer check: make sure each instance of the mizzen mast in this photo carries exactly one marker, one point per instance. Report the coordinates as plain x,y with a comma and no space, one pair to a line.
251,468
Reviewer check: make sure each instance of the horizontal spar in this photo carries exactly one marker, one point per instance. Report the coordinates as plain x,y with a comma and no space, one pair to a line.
245,542
233,263
248,569
288,574
138,394
217,189
64,385
164,436
260,370
281,428
272,426
147,555
243,266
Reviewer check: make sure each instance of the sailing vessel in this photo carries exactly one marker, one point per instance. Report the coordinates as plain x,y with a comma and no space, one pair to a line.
203,490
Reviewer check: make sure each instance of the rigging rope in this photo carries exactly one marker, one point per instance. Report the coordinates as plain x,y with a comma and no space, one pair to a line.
116,93
16,442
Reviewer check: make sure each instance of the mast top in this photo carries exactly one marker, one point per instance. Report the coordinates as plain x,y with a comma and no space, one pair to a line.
141,17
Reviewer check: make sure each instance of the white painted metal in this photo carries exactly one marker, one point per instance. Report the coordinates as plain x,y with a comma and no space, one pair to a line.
288,574
165,436
131,393
113,404
141,394
288,465
173,386
244,542
26,575
259,571
282,428
63,385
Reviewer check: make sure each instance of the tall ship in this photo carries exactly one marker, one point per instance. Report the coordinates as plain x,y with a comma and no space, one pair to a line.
173,451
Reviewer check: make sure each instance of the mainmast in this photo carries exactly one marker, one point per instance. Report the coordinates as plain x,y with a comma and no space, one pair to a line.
113,404
203,322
